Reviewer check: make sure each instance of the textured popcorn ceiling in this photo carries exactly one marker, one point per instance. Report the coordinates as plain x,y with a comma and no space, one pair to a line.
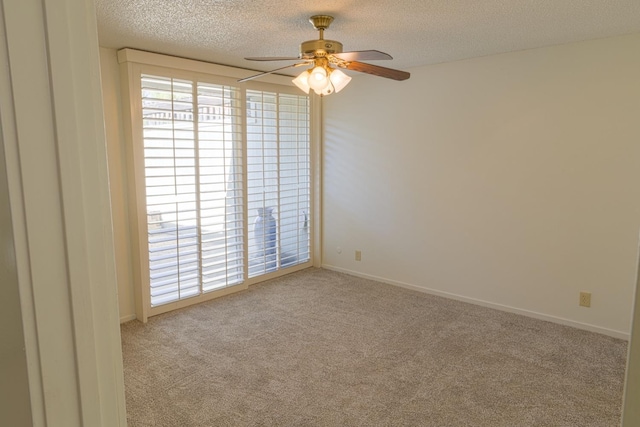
414,32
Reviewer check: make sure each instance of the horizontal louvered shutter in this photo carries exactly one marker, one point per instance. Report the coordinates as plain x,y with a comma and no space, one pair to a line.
278,180
192,136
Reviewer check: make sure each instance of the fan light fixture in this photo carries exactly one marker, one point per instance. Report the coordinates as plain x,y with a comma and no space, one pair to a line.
323,79
324,57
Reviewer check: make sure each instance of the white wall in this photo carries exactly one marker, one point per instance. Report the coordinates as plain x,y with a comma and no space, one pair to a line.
118,180
511,180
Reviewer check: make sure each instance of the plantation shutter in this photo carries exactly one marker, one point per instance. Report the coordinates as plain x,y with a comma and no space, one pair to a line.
278,180
219,179
193,180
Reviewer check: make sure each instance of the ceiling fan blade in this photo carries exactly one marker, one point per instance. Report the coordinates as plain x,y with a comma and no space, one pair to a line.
272,71
376,70
363,55
272,58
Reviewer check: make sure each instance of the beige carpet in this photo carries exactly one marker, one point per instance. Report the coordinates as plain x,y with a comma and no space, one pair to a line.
319,348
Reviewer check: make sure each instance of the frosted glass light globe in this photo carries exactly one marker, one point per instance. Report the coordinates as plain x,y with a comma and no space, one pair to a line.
302,81
339,80
318,79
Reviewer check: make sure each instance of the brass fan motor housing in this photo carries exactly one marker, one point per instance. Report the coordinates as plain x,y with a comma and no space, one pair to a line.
313,48
321,47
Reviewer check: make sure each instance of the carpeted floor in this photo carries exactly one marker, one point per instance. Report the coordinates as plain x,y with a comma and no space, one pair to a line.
320,348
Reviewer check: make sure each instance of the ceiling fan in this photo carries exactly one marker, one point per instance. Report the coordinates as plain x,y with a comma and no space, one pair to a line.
325,58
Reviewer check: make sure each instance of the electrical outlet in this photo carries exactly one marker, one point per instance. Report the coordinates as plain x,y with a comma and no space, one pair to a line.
585,299
358,256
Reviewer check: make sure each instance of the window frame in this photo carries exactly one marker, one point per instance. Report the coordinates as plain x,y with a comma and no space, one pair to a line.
133,64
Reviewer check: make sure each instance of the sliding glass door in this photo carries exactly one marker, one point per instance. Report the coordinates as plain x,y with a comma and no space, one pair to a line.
227,186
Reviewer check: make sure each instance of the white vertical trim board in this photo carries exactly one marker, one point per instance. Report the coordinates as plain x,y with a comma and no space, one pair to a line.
61,210
15,390
631,399
316,161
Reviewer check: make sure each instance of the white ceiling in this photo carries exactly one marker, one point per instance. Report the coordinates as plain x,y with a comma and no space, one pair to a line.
414,32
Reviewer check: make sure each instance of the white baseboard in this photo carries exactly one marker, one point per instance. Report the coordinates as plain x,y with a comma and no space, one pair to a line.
127,318
501,307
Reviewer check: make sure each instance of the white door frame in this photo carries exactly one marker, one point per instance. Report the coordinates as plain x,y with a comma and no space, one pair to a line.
53,133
